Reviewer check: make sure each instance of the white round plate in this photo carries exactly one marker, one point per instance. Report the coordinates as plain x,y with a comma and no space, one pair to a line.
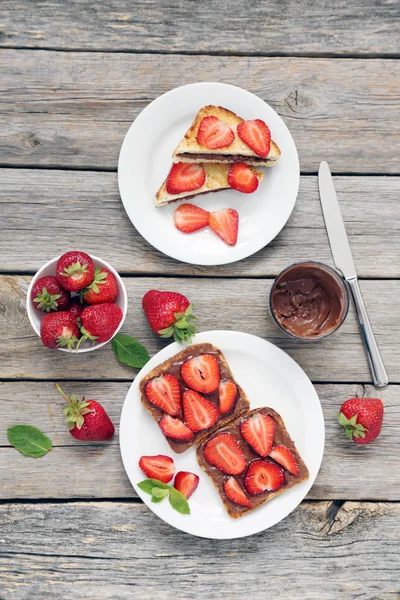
146,157
269,377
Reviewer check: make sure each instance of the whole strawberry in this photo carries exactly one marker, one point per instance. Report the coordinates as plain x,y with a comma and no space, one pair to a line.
169,314
59,330
75,270
87,419
99,322
48,296
76,307
102,289
362,419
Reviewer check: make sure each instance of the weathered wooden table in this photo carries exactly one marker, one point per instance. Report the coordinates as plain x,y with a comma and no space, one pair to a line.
73,77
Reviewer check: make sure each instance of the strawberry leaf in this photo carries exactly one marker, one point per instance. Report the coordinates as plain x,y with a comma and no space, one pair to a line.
129,351
29,440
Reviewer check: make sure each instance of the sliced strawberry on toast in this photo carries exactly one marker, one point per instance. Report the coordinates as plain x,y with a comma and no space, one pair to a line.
213,133
256,135
235,493
165,393
185,177
158,467
175,429
186,483
227,392
201,373
263,475
242,178
224,452
189,218
225,223
258,431
199,413
285,457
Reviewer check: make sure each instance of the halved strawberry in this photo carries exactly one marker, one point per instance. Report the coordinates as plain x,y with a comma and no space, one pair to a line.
242,178
224,452
186,483
188,218
201,373
199,413
258,431
158,467
225,223
165,393
235,493
175,429
213,133
262,475
284,457
227,394
256,135
185,177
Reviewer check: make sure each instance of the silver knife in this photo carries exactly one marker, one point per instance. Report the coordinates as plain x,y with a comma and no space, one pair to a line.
344,262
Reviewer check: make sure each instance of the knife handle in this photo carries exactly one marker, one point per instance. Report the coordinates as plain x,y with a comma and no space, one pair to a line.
374,358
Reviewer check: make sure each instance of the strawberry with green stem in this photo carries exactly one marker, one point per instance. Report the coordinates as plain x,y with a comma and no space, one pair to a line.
102,289
169,315
362,419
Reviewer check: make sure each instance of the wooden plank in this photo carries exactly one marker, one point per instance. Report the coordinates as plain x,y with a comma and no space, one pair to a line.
347,471
339,357
253,28
73,109
62,204
117,551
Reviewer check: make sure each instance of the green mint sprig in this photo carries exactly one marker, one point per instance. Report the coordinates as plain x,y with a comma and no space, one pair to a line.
29,440
159,490
129,351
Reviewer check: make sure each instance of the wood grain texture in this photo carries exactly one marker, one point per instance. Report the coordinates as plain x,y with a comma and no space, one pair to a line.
364,28
63,206
116,551
347,471
73,109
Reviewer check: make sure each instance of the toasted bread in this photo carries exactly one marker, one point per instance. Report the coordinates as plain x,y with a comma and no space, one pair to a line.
216,180
189,150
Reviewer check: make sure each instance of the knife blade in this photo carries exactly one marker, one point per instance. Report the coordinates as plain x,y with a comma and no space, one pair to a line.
343,259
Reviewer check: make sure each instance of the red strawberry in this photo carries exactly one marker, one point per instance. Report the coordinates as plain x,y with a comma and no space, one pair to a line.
185,177
76,307
59,330
213,133
224,452
242,178
87,419
169,314
189,218
201,373
235,493
48,296
263,475
256,135
103,288
158,467
186,483
362,419
284,457
227,394
225,223
165,392
99,322
199,412
175,429
258,431
74,270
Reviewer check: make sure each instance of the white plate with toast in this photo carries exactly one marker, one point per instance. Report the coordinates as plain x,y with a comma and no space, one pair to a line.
146,158
269,377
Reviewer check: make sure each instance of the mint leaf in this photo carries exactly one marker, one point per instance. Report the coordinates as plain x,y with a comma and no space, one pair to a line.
179,502
156,499
148,485
29,440
129,351
159,493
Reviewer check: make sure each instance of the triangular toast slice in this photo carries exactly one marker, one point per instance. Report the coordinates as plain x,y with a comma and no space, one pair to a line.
189,150
216,180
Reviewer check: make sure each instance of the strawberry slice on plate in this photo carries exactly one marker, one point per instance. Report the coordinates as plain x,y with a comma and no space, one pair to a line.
201,373
186,483
227,394
185,177
189,218
242,178
175,429
285,457
213,133
263,476
224,452
199,412
165,393
158,467
235,493
258,431
225,223
256,135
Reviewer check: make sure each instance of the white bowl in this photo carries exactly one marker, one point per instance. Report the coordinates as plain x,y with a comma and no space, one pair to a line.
35,316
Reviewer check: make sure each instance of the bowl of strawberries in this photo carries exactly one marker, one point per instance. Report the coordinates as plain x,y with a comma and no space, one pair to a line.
76,302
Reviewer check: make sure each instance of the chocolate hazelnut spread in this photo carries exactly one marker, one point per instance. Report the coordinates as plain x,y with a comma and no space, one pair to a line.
309,300
224,158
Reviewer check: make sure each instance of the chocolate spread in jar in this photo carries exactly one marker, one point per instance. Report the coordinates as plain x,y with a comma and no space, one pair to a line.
309,300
